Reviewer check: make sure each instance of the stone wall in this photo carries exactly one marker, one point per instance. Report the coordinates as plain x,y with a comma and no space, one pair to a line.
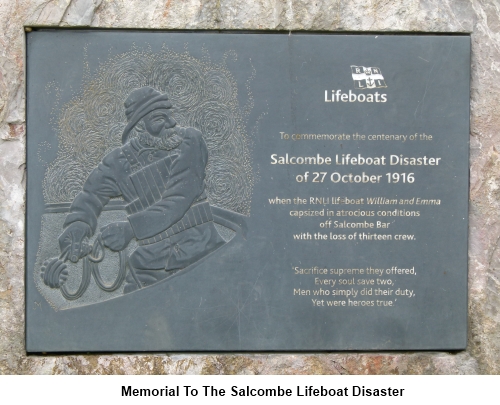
479,17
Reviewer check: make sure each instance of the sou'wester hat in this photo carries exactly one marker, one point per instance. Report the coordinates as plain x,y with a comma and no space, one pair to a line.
139,104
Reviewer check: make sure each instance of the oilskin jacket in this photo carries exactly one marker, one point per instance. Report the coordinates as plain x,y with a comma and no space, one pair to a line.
166,202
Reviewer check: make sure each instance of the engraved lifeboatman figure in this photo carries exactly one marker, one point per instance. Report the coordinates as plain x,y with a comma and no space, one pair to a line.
161,176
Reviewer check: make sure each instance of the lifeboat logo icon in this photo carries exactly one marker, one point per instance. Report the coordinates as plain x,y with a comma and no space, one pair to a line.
367,77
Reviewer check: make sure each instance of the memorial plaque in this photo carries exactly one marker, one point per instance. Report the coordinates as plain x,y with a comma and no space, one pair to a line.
246,191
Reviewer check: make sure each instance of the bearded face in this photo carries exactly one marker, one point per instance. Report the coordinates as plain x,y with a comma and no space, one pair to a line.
159,129
159,120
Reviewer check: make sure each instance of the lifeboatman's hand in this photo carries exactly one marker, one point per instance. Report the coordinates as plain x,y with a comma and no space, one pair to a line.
117,235
71,241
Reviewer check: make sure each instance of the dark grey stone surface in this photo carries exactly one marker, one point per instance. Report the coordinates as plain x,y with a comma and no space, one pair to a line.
243,93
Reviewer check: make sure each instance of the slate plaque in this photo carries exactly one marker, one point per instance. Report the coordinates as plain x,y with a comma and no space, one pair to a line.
246,191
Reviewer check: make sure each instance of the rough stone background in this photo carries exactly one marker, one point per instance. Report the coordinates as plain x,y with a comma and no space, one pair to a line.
479,17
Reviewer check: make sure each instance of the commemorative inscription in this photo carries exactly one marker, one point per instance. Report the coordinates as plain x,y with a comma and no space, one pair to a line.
200,192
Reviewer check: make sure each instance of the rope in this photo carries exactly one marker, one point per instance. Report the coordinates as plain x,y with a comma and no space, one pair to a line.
98,244
91,268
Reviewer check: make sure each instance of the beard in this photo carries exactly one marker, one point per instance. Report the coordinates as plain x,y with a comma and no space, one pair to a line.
168,139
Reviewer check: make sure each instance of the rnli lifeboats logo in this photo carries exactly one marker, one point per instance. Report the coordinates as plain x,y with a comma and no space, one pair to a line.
367,77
